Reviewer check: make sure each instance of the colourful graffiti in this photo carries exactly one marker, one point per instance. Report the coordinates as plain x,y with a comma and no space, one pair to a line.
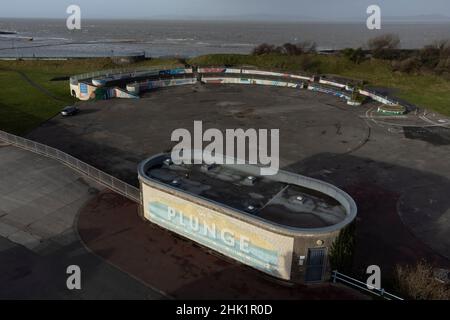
211,70
120,93
83,89
246,243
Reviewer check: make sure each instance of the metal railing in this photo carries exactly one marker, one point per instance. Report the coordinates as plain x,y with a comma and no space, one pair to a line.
337,276
97,175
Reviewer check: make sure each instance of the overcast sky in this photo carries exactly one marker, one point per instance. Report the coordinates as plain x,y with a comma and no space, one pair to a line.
322,9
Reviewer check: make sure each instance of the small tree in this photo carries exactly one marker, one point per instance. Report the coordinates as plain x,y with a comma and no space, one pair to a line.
265,49
354,55
408,65
383,46
341,251
385,41
437,56
286,49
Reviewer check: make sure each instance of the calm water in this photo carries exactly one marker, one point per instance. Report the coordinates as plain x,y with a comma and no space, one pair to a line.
183,38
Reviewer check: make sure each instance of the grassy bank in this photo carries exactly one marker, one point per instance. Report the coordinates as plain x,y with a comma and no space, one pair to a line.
29,97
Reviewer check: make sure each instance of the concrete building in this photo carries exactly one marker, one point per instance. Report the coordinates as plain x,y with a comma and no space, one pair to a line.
282,225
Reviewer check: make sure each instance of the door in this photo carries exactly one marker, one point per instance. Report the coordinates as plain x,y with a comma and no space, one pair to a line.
315,265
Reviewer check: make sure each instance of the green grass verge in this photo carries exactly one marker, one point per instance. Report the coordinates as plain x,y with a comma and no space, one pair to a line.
24,107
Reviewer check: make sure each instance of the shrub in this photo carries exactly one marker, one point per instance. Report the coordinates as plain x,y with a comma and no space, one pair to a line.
408,65
286,49
385,46
341,251
354,55
418,283
265,49
429,57
291,49
385,41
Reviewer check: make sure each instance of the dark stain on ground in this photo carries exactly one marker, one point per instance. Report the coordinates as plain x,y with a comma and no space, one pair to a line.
438,136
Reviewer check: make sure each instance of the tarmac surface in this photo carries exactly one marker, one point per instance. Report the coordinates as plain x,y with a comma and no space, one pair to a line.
400,180
39,204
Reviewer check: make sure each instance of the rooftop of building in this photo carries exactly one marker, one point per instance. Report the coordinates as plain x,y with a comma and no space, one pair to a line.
278,202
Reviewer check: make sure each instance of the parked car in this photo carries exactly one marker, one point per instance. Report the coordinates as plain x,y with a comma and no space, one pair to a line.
69,111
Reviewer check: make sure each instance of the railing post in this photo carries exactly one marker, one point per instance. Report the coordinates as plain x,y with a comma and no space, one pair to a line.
334,276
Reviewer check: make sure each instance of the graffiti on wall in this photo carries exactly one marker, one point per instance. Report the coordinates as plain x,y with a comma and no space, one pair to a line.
249,244
120,93
211,70
83,89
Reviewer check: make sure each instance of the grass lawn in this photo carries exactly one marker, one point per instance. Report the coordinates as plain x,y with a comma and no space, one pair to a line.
23,107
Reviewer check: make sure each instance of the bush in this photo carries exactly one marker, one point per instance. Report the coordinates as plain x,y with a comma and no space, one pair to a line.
408,65
341,251
418,283
437,56
286,49
291,49
354,55
443,66
265,49
385,41
385,46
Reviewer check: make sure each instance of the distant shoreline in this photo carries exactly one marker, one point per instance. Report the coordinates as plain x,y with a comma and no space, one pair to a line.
253,19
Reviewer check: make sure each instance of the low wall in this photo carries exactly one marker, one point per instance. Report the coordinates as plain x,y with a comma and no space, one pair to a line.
124,94
220,75
333,83
378,97
231,80
339,94
148,85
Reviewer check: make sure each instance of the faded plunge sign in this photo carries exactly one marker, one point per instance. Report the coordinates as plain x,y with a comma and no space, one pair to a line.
249,244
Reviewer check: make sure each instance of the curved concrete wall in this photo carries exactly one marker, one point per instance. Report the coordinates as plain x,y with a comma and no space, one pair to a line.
225,76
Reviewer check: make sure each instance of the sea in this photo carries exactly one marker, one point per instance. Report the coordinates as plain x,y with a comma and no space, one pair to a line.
40,38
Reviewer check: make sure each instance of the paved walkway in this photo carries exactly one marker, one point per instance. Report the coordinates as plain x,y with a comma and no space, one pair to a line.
39,204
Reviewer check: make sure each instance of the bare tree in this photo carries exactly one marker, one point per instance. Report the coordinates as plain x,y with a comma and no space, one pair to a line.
384,42
291,49
265,49
307,46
